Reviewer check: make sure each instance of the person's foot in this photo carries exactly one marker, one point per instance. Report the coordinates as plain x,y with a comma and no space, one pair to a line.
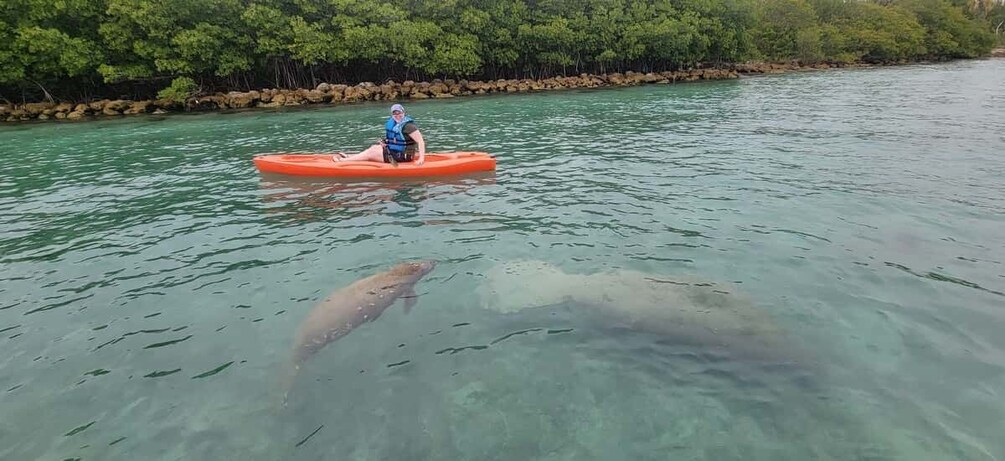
339,156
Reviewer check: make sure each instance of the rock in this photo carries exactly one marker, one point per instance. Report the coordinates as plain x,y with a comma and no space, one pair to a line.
387,89
351,94
297,97
75,115
60,115
37,108
118,105
438,88
317,96
200,103
323,87
167,104
43,117
82,108
109,110
97,106
238,100
139,107
64,107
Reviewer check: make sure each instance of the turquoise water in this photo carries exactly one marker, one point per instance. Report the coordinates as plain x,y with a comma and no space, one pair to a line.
153,281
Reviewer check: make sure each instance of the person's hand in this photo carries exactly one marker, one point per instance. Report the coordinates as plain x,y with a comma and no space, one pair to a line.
419,161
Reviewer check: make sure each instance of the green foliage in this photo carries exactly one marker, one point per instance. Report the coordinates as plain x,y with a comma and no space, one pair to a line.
181,89
950,33
780,23
298,42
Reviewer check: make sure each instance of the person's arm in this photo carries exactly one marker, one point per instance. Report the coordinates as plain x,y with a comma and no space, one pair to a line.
421,143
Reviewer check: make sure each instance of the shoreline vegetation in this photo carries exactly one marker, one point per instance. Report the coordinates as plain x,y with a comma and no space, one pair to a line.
76,59
342,94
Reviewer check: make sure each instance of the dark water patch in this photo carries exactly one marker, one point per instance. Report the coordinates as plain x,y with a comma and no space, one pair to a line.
204,285
113,442
649,257
14,336
560,330
146,331
685,232
166,343
242,306
515,333
305,439
49,307
398,364
150,316
109,343
943,278
671,282
158,374
257,320
79,429
128,334
804,234
101,327
12,389
179,329
221,328
454,350
9,328
462,324
213,371
98,372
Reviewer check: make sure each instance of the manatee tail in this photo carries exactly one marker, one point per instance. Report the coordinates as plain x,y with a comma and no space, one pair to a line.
287,381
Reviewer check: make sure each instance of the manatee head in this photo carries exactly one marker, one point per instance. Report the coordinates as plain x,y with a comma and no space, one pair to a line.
413,270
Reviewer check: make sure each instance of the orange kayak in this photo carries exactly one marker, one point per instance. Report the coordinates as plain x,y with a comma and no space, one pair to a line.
441,164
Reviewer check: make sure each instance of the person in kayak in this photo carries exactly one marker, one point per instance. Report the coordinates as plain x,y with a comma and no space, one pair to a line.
402,142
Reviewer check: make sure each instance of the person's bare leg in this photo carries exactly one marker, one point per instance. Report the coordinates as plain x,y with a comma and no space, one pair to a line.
374,153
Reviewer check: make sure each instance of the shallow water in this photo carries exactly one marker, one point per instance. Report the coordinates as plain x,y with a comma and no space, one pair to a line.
152,280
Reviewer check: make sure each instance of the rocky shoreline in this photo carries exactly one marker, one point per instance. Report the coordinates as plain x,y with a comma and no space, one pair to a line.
337,94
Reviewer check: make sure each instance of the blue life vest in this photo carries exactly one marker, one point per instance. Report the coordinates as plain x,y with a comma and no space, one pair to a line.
394,138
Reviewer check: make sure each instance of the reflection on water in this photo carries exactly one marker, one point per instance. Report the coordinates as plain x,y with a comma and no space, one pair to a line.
310,199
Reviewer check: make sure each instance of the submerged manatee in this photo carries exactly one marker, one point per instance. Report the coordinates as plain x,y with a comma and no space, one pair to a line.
679,310
360,302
